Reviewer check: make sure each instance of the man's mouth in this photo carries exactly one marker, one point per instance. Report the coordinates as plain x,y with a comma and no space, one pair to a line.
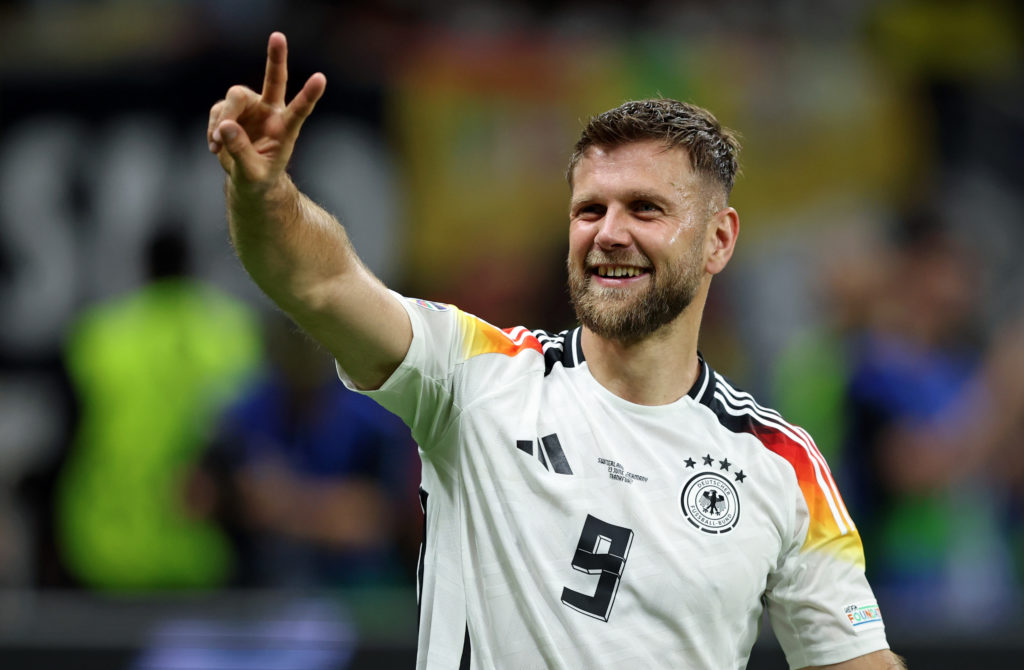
618,271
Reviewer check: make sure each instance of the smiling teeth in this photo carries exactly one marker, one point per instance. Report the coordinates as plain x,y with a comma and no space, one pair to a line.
606,271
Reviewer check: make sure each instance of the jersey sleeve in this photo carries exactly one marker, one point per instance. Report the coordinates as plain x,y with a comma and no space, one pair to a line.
429,388
821,607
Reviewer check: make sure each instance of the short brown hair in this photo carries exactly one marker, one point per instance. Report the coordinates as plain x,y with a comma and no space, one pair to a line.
713,148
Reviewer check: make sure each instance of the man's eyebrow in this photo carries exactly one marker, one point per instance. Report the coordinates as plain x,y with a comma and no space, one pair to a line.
647,195
630,196
583,199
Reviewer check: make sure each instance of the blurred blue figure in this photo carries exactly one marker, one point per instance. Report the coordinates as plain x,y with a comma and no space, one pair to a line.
315,484
933,415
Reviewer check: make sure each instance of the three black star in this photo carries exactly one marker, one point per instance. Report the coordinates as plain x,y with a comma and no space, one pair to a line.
723,464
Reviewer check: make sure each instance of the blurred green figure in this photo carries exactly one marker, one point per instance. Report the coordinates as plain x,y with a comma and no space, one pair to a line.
151,371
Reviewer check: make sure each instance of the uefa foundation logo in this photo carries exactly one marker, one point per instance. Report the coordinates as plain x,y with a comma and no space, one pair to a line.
430,305
709,502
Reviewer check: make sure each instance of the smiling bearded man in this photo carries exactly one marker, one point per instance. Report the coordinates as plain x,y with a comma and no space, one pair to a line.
598,497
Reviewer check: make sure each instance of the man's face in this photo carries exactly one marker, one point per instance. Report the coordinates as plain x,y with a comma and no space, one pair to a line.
638,218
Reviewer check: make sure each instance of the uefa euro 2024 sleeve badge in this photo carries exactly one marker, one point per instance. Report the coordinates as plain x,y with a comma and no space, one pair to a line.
709,499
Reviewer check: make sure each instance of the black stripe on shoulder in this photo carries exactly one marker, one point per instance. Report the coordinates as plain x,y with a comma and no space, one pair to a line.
734,400
562,349
737,421
706,391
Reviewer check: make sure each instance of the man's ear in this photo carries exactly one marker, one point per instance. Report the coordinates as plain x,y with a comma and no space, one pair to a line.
723,229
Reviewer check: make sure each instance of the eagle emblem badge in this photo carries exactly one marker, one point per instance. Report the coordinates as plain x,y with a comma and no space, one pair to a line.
710,502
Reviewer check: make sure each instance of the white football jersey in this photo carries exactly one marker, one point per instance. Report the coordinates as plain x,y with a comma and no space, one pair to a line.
569,528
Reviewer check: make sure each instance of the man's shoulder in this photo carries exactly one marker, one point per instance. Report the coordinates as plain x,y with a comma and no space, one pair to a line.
739,412
560,349
477,336
736,409
791,447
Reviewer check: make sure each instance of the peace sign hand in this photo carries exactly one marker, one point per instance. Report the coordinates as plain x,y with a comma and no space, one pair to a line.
253,134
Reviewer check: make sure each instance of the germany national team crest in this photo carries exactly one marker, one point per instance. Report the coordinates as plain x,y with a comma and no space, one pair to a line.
709,501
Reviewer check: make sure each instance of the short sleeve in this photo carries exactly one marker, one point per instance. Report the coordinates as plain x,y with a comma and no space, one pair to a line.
420,391
820,604
427,388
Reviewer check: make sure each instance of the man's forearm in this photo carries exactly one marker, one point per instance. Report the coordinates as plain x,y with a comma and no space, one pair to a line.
294,250
297,253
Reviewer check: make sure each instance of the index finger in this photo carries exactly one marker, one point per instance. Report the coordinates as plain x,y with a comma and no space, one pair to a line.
275,80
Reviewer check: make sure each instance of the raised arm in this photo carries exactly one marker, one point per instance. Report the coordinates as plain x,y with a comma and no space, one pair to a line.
297,253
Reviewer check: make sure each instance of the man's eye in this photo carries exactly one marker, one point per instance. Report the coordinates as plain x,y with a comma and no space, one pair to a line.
590,210
643,206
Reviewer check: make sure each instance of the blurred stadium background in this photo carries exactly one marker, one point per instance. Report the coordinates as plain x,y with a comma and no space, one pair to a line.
142,526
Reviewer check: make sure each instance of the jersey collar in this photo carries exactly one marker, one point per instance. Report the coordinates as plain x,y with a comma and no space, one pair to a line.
703,389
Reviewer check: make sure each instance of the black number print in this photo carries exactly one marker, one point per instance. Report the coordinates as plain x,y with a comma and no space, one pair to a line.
602,551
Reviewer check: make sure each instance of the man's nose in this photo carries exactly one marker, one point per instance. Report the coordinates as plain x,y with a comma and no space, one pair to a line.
614,231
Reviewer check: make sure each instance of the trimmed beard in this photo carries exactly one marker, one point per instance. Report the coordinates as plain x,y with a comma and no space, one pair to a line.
620,314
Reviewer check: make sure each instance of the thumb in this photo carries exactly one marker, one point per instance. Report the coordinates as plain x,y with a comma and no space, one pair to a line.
237,144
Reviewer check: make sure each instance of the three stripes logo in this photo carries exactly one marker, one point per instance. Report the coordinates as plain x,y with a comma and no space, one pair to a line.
549,452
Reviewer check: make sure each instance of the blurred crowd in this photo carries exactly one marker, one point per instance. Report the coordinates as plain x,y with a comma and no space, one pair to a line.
163,428
214,447
919,408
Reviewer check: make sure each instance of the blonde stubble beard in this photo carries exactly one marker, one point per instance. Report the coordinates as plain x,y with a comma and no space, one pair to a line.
624,314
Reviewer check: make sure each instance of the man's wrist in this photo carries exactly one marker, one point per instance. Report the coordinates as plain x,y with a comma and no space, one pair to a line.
272,194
